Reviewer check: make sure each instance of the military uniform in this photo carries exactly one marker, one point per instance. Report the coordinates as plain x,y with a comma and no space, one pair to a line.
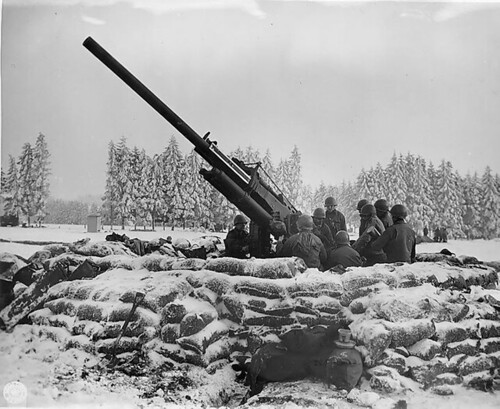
307,246
344,255
335,220
398,242
235,241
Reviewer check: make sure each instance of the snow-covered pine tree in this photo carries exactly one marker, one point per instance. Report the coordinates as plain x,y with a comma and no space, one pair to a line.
294,180
27,181
490,205
41,168
196,191
379,182
471,216
268,169
363,185
320,194
396,183
421,205
449,200
110,197
10,189
174,175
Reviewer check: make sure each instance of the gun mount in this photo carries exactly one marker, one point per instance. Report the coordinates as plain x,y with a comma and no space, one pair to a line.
239,183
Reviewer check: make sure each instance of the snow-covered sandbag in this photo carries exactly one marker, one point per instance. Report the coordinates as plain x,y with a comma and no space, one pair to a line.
465,347
410,332
174,312
200,341
367,276
425,349
100,249
9,265
260,288
373,335
448,332
272,268
314,283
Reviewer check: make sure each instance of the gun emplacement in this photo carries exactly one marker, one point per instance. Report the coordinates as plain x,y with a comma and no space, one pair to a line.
239,183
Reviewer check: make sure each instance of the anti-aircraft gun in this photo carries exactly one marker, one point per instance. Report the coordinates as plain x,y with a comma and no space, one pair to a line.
241,184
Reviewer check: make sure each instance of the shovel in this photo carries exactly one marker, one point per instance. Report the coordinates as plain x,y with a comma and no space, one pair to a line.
139,296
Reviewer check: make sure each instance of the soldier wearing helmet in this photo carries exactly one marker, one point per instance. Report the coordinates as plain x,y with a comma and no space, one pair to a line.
321,230
305,244
382,208
362,224
399,240
334,219
237,240
343,254
373,228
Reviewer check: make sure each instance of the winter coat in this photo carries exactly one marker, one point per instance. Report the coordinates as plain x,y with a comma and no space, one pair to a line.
325,234
307,246
398,242
335,221
364,243
345,255
235,241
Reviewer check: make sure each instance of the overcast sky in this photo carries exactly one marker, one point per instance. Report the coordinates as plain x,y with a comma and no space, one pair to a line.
348,83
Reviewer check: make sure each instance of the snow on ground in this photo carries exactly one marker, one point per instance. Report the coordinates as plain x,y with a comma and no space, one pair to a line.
54,378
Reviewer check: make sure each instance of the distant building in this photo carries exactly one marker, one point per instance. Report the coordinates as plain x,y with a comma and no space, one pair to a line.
93,223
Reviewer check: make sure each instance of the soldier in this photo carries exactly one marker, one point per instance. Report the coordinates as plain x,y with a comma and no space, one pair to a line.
335,220
305,244
321,230
399,240
343,253
237,240
362,224
382,208
374,228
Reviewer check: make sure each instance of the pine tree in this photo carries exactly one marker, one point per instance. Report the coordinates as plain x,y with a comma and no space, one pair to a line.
27,182
174,175
293,182
448,198
41,168
110,197
122,180
396,183
363,185
490,205
196,192
10,189
471,215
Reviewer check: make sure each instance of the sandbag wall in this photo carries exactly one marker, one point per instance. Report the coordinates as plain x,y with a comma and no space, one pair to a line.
434,321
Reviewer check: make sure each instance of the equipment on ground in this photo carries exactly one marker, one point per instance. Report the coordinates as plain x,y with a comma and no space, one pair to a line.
241,184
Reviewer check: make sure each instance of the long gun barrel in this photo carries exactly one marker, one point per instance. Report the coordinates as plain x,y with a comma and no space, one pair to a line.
240,186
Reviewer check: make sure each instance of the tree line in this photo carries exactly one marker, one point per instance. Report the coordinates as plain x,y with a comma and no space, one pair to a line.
167,188
25,184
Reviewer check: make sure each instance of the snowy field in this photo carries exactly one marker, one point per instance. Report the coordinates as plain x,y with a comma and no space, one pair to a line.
55,378
485,250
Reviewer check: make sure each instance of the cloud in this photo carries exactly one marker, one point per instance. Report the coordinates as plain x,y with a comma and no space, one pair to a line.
92,20
453,10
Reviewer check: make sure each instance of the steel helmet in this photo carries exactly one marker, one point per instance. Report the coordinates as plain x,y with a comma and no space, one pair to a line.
319,213
399,211
239,218
368,210
342,237
361,203
305,222
330,201
382,205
